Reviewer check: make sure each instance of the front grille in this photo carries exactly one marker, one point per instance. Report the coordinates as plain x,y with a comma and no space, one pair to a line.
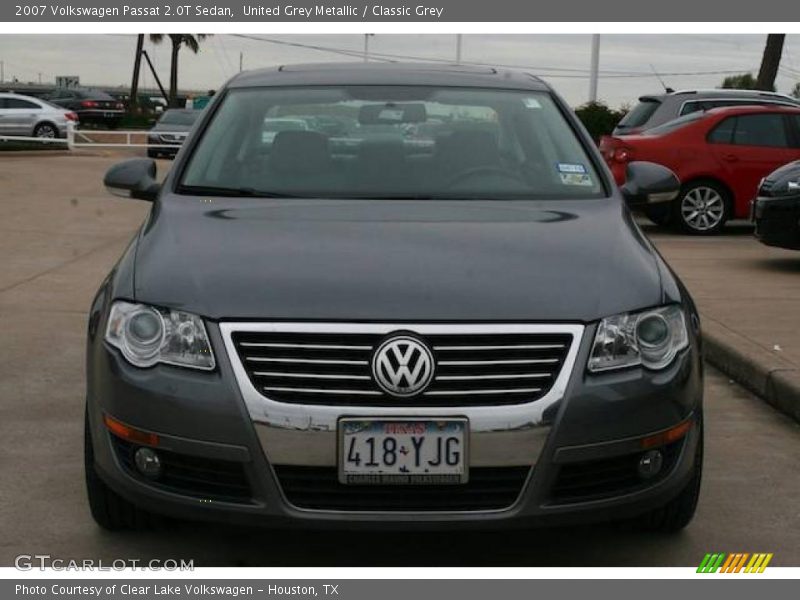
335,368
489,488
204,478
597,479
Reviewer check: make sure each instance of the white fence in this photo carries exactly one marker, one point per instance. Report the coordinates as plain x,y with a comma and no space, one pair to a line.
84,138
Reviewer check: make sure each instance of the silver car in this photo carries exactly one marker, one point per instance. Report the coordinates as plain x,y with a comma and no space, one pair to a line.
31,117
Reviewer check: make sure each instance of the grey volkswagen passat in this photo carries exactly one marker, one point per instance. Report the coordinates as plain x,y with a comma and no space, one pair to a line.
442,315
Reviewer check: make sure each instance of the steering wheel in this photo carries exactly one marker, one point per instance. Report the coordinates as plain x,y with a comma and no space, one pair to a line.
483,171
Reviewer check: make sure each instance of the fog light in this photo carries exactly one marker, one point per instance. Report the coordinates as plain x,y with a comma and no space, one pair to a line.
650,464
148,463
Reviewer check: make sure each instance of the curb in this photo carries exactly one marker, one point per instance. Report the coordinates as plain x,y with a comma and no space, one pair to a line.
769,376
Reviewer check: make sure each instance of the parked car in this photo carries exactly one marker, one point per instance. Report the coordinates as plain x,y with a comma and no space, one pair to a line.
776,210
720,156
400,334
91,106
656,109
168,134
26,116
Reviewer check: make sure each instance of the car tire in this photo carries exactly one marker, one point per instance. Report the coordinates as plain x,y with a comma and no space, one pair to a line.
701,208
45,131
660,214
110,510
152,154
678,512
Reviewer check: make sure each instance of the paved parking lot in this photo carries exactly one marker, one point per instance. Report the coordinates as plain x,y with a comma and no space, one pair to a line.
60,233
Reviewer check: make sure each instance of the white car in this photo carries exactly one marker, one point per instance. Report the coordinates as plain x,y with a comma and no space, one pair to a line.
31,117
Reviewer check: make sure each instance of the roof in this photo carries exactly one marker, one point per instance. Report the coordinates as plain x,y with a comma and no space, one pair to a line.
753,108
354,73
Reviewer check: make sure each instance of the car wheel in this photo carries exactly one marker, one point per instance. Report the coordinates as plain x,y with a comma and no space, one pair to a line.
702,208
659,214
45,131
678,512
110,510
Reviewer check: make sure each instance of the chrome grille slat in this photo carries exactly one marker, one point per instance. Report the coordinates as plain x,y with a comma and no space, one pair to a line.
506,347
487,392
308,361
320,391
533,361
480,377
474,365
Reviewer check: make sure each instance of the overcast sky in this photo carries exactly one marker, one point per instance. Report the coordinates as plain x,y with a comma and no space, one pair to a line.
626,61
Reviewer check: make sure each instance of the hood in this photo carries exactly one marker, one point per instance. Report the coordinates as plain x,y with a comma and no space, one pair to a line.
395,260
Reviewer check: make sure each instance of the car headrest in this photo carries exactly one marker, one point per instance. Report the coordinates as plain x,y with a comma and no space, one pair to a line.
299,152
467,148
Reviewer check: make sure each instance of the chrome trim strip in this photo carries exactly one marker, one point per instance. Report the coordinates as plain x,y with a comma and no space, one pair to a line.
524,361
482,392
495,376
311,346
310,375
303,434
509,347
306,361
304,390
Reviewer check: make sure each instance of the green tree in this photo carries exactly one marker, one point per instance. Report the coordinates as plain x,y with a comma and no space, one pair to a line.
745,81
192,42
598,118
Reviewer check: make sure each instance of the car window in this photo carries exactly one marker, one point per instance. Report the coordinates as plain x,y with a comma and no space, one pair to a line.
20,103
752,130
179,117
640,114
761,130
723,132
392,142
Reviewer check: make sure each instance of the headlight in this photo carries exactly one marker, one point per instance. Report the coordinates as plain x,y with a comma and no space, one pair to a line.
650,338
147,335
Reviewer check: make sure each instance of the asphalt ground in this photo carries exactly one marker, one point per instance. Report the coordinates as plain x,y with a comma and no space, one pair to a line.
60,233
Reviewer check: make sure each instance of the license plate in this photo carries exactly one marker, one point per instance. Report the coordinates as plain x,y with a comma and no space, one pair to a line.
403,451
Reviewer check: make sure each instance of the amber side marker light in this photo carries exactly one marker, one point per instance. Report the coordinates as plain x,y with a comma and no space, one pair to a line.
668,436
127,432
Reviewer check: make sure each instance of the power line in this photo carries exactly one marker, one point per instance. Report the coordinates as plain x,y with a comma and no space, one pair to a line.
552,72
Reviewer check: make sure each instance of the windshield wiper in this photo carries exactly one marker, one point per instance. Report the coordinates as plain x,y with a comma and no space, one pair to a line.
241,192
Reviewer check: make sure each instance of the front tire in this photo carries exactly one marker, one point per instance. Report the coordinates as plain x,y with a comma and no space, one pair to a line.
678,512
110,510
702,208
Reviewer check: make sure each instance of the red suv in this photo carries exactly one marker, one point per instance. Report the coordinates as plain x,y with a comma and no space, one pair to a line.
720,156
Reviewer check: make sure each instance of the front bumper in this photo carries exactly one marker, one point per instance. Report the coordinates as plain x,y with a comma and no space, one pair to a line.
777,221
211,416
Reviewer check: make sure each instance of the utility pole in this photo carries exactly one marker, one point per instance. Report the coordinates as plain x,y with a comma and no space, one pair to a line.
366,46
458,48
241,61
770,62
40,78
595,67
2,71
137,63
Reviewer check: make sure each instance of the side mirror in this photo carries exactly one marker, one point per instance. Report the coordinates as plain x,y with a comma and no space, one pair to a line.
649,183
135,178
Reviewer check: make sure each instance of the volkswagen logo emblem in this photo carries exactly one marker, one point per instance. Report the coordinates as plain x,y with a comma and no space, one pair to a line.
402,366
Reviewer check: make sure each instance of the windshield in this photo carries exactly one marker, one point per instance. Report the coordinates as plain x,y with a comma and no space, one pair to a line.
179,117
390,142
640,114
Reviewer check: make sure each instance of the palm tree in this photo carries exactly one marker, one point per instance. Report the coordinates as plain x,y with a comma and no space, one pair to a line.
178,39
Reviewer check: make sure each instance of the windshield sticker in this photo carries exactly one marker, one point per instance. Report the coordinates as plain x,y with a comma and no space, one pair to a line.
531,103
583,179
570,168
